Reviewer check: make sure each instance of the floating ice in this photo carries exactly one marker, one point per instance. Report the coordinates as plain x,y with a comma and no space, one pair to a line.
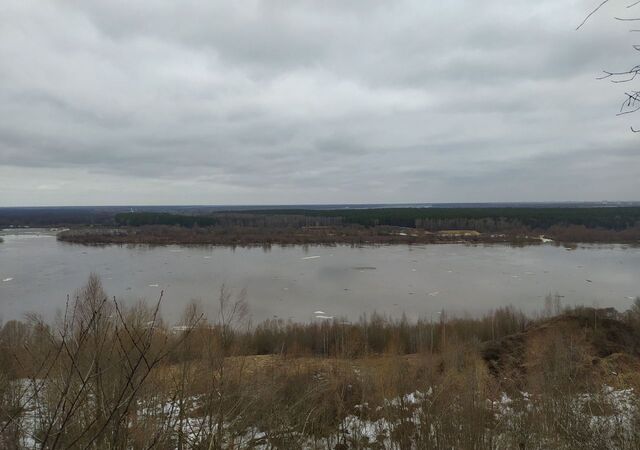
319,312
7,279
154,285
311,257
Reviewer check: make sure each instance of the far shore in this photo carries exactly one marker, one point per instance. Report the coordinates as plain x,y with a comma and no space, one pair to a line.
341,235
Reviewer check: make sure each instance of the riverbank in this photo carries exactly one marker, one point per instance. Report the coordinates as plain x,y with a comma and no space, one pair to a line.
338,235
250,236
567,379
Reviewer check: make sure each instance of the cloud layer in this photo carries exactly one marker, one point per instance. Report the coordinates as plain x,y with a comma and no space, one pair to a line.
274,101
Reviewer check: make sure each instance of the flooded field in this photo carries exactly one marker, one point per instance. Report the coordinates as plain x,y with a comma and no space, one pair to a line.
37,273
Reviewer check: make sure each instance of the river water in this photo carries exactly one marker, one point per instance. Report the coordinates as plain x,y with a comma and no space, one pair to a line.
300,283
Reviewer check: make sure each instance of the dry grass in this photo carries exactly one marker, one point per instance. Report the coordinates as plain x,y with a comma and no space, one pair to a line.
104,376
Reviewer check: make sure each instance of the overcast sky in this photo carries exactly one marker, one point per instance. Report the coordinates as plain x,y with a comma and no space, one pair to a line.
339,101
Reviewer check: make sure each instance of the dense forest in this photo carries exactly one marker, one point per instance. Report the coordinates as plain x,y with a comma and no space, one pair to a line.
482,219
432,219
485,218
155,218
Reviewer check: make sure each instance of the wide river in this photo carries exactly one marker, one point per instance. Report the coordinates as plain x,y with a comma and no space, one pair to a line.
37,273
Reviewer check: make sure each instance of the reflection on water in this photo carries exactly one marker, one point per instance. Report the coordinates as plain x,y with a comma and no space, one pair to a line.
37,273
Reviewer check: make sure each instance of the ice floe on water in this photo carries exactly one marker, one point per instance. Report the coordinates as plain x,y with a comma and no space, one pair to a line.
311,257
319,314
6,280
154,285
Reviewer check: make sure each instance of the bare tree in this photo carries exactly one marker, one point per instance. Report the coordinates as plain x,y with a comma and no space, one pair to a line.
631,102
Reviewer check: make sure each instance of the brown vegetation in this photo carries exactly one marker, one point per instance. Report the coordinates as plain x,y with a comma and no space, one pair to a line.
580,233
105,376
260,236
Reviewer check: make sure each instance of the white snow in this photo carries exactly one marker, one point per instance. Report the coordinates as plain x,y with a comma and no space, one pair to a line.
377,432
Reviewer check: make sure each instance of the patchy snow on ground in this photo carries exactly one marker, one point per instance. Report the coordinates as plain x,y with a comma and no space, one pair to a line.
366,427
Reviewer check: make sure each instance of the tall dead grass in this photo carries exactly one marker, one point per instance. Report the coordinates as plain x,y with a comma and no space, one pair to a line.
103,375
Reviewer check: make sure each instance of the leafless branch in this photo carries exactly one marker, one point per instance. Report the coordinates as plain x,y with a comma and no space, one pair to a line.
592,13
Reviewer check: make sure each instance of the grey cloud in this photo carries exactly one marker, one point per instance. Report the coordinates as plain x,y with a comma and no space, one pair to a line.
311,102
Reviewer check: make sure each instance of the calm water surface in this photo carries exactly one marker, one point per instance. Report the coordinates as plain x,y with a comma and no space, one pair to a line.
37,272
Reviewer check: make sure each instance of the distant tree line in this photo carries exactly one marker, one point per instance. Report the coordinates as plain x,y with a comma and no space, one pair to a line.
52,217
137,219
483,219
480,219
153,218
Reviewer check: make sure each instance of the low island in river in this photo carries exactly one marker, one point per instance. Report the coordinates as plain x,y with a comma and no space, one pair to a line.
373,226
